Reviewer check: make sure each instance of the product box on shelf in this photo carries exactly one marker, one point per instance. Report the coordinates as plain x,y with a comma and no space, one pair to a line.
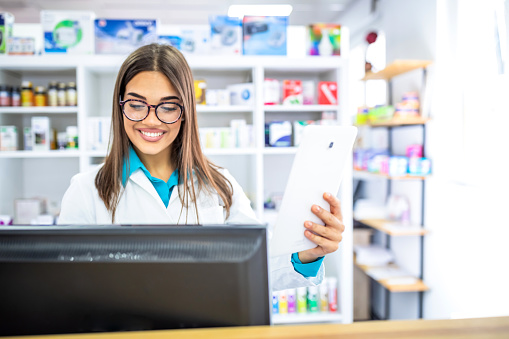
398,166
21,46
121,36
308,92
68,31
200,90
324,39
241,94
217,97
172,40
280,133
419,166
6,24
195,41
27,139
327,93
8,138
292,92
241,133
225,35
264,35
41,133
98,133
271,92
27,210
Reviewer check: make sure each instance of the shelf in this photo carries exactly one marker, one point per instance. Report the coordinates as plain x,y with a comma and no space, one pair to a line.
396,68
39,154
299,108
297,318
280,150
96,153
223,109
392,228
229,151
418,286
365,175
398,122
39,110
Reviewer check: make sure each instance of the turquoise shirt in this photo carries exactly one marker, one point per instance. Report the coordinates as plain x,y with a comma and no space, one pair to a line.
164,190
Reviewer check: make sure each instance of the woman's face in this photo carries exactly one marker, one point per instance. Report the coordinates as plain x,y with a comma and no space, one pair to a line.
151,136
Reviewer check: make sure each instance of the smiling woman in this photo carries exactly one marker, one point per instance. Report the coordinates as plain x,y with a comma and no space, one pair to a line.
156,172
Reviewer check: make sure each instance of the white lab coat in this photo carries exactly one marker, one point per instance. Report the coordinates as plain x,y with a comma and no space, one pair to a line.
140,204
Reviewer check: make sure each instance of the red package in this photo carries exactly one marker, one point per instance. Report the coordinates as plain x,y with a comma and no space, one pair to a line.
292,92
327,93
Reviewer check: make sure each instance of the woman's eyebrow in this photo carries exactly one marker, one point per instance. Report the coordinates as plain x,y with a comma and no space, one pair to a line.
136,95
171,97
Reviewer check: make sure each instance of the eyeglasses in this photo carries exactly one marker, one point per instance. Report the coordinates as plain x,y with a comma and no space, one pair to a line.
138,110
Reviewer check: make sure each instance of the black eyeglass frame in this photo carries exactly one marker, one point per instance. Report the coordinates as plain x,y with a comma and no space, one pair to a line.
122,103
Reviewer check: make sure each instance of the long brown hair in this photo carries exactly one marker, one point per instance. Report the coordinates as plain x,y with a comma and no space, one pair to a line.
185,151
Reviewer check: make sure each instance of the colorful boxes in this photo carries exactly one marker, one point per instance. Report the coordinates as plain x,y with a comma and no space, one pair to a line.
113,36
264,35
6,23
324,39
292,92
327,93
225,35
68,31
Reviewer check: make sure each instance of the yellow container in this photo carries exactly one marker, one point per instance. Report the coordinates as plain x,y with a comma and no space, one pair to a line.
27,94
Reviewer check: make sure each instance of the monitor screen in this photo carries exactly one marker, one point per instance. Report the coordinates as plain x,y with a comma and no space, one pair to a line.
111,278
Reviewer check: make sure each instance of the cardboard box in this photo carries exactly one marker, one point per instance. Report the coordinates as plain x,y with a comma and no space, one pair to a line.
114,36
98,133
68,31
225,35
195,41
292,92
327,93
271,92
324,39
172,40
41,134
6,23
8,138
280,133
298,129
241,94
21,46
264,35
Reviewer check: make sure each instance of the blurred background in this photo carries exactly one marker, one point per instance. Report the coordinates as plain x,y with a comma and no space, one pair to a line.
425,82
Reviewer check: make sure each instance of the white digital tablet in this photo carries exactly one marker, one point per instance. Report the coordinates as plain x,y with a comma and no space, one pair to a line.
317,168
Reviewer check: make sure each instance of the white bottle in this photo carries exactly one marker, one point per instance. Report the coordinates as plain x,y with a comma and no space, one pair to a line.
325,47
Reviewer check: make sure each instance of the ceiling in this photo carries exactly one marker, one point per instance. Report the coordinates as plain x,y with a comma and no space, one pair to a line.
173,12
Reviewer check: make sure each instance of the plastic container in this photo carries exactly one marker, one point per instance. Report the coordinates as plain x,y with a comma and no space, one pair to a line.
40,98
332,294
302,300
72,136
5,96
61,94
16,97
27,94
53,94
71,94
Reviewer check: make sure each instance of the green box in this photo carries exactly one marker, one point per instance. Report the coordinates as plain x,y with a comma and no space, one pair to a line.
6,23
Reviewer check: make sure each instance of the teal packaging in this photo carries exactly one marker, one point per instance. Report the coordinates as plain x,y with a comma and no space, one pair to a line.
70,32
6,23
115,36
264,35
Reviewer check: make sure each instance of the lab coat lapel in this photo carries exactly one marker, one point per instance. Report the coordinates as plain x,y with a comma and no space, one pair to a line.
139,178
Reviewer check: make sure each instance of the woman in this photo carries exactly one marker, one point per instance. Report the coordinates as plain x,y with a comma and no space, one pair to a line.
156,172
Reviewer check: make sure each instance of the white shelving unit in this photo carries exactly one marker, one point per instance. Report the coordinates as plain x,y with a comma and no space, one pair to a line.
260,170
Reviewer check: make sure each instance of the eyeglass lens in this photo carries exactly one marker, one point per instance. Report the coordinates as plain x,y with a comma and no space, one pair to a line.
167,112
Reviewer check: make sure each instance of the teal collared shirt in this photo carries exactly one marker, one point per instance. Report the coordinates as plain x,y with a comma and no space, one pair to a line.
164,190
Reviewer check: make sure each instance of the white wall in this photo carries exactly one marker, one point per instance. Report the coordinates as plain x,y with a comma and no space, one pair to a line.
466,255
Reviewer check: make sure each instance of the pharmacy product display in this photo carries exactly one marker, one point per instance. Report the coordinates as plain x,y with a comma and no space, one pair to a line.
407,109
6,23
299,92
225,35
231,132
117,36
68,31
324,39
264,35
28,95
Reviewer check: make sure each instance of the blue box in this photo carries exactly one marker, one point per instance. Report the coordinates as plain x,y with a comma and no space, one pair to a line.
114,36
264,35
172,40
225,35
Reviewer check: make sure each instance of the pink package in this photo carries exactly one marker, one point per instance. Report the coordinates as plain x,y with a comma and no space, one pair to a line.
414,151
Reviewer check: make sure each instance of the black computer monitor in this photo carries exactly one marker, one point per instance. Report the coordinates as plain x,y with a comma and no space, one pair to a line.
96,279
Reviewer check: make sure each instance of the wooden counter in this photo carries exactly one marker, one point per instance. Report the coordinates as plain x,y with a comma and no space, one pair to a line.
416,329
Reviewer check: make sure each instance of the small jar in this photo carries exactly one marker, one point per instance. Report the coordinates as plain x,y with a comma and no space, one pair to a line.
53,94
71,94
16,97
61,94
40,96
5,96
72,136
27,94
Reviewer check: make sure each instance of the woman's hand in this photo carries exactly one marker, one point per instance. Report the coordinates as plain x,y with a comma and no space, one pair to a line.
328,237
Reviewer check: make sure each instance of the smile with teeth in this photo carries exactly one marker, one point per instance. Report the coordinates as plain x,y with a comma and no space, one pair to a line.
152,135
